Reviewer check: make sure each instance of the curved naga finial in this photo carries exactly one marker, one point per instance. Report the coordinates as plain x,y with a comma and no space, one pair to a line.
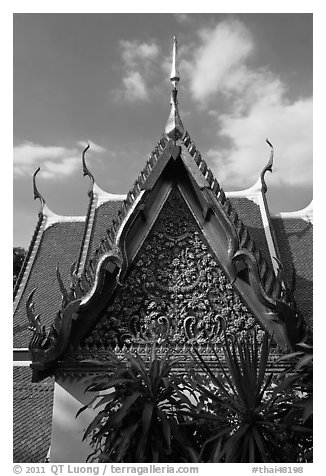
174,128
85,169
268,167
35,190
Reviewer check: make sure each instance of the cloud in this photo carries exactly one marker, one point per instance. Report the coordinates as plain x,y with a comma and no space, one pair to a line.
134,53
288,126
138,63
135,87
218,61
55,162
98,149
255,106
66,166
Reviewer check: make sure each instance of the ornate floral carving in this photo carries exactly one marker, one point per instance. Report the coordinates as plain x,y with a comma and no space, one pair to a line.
176,291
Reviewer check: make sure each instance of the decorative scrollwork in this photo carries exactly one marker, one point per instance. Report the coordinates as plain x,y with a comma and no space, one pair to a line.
176,290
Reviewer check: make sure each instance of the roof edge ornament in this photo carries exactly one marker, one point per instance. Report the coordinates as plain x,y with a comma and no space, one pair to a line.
268,167
37,194
174,128
85,168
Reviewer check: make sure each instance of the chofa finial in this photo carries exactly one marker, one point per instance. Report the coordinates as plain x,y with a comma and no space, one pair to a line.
85,169
35,190
174,128
268,166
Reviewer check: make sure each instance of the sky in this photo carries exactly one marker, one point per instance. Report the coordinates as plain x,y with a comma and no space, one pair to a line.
103,79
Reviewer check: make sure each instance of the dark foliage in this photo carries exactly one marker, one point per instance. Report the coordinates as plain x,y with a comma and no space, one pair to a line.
229,409
136,422
250,416
297,381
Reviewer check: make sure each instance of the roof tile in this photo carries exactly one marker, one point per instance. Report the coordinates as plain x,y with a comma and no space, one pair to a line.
295,243
103,218
60,243
32,416
249,213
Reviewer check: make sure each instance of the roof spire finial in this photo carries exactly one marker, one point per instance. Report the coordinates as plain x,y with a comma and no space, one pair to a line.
85,169
175,77
268,166
37,194
174,128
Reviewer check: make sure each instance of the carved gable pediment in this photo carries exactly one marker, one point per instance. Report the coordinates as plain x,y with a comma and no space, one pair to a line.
176,291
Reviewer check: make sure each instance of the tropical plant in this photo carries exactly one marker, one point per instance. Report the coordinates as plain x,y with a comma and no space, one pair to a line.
236,399
297,380
227,409
136,422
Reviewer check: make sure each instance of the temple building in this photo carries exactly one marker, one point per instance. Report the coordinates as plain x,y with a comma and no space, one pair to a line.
176,261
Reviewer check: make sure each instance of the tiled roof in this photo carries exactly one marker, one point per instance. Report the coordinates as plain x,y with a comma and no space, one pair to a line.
59,243
32,411
252,231
249,213
110,230
103,217
295,243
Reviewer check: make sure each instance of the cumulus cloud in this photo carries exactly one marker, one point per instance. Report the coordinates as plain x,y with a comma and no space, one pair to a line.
134,52
135,87
219,60
288,126
256,107
138,60
55,162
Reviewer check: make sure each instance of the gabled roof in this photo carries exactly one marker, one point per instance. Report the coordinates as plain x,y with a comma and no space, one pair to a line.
229,237
294,235
237,226
102,208
56,240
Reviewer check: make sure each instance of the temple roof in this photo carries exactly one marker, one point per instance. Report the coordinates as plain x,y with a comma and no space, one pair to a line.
89,238
294,236
98,249
53,243
32,417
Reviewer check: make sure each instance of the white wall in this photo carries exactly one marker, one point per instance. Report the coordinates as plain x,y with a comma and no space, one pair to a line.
67,430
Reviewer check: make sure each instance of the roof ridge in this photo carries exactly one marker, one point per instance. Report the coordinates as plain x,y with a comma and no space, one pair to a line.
46,219
270,289
29,259
87,232
107,241
52,218
98,196
272,286
103,196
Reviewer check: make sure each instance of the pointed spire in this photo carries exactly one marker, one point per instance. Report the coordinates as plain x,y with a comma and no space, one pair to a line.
174,128
175,77
35,190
